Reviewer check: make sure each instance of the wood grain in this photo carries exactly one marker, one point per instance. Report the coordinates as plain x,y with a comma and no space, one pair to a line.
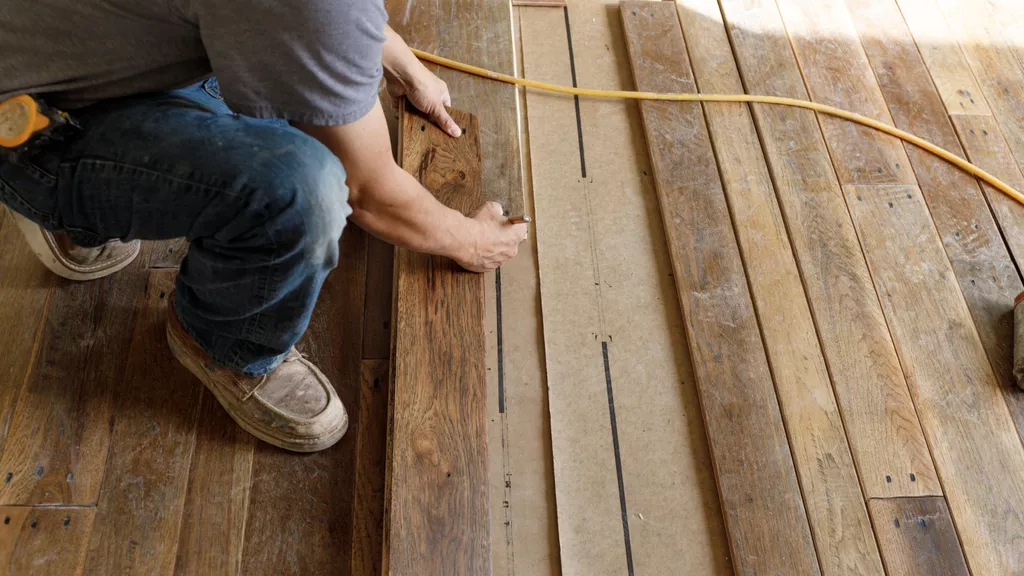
217,497
765,517
837,73
540,3
991,58
168,253
974,245
371,439
24,291
300,506
438,516
380,281
43,540
985,146
917,537
969,429
828,479
478,32
883,429
937,44
56,449
152,439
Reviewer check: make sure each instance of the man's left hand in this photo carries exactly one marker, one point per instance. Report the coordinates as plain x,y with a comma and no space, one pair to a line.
428,93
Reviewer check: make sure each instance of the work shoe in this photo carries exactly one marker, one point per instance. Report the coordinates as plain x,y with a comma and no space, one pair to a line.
66,260
294,407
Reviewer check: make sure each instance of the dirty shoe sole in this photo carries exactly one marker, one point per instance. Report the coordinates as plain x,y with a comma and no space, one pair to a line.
190,355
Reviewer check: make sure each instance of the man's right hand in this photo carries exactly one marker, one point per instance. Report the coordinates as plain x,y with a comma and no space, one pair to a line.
493,239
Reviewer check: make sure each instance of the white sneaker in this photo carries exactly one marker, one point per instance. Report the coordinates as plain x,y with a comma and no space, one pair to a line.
73,262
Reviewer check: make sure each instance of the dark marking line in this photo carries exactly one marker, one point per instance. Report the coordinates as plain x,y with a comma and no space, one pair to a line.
618,459
501,352
576,99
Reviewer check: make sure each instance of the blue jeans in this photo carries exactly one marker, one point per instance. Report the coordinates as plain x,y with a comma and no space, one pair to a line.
262,204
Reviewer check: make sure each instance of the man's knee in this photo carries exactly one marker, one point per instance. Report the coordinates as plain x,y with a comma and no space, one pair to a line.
308,199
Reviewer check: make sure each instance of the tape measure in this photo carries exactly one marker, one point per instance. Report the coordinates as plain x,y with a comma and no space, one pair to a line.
23,118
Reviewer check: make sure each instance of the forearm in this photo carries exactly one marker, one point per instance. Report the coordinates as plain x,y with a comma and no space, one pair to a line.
396,58
397,209
386,201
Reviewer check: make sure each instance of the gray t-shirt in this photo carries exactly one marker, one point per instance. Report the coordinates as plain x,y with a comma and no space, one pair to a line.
309,61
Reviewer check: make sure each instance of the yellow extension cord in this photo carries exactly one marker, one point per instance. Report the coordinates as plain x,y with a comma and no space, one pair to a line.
852,117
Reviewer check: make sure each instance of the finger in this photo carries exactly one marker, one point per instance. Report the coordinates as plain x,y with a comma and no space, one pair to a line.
444,120
446,97
495,209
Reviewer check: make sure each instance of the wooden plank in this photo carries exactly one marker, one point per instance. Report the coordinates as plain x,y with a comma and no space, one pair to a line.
882,427
478,32
24,291
300,506
152,439
969,429
437,494
953,77
167,253
370,464
765,517
994,64
831,490
44,540
837,73
56,450
986,147
217,497
380,281
524,521
613,332
917,536
984,269
540,3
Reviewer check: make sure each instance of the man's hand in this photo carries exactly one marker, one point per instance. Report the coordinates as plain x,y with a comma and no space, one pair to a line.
407,76
495,240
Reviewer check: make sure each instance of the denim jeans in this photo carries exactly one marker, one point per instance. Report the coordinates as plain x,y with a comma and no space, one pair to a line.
262,204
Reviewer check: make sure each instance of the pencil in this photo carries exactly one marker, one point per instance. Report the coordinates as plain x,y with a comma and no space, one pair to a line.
520,219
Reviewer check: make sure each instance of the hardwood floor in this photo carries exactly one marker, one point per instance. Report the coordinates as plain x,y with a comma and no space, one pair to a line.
117,460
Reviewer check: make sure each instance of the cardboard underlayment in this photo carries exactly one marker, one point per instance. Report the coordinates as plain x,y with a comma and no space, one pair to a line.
640,498
524,532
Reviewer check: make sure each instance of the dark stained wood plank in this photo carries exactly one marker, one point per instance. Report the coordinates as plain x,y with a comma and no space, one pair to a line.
217,498
765,517
828,479
970,432
300,505
878,412
371,459
168,253
152,439
917,536
478,32
380,281
974,246
56,449
438,515
24,291
44,540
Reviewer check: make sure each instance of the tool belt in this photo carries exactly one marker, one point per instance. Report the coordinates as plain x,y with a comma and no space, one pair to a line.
27,122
